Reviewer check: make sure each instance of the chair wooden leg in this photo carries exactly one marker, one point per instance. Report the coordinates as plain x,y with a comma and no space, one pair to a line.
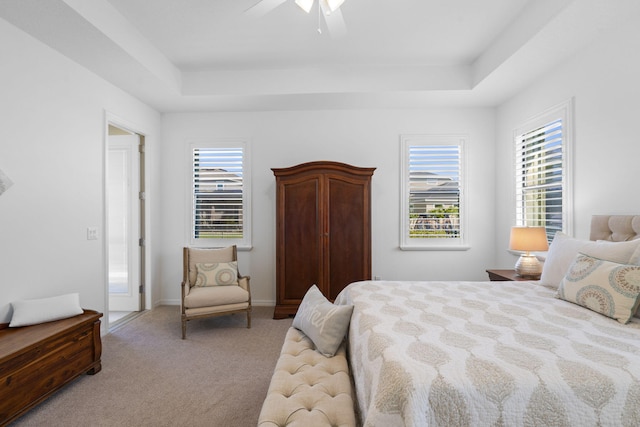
184,328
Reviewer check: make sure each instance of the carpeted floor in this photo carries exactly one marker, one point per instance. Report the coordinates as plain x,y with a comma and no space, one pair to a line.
218,376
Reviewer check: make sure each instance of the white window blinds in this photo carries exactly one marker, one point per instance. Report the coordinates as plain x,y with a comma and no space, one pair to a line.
432,191
542,172
219,197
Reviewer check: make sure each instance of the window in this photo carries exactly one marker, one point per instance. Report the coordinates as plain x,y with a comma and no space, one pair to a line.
220,202
542,153
432,215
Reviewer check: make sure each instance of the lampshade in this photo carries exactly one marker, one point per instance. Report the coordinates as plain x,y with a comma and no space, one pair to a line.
528,239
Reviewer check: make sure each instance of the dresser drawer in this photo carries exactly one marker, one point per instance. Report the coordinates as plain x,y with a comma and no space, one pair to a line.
46,347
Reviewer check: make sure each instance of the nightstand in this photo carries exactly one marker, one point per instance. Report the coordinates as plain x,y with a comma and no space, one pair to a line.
496,275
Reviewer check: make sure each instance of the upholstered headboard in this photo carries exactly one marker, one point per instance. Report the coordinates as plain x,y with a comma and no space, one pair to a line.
616,228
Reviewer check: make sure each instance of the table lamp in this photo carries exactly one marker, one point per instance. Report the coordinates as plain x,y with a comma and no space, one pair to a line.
528,239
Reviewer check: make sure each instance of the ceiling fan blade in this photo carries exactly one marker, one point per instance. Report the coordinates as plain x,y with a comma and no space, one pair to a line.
335,23
263,7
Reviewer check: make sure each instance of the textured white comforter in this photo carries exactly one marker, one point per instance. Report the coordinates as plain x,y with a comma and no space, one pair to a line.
488,353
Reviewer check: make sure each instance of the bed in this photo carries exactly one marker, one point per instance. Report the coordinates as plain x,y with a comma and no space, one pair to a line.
500,353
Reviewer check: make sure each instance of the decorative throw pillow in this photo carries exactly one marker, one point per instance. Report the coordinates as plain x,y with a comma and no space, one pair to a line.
324,323
217,273
563,250
603,286
34,311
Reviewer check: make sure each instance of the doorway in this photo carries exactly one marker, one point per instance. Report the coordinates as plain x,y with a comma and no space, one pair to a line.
125,224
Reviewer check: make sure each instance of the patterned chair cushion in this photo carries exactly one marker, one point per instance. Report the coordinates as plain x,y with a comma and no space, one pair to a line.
216,273
197,255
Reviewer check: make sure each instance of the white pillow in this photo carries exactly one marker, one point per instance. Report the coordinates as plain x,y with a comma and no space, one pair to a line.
563,250
34,311
324,323
635,257
605,287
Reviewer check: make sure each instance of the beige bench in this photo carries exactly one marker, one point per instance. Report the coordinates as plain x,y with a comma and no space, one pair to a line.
308,389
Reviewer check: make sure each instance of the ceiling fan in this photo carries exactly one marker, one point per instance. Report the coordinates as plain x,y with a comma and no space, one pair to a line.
330,9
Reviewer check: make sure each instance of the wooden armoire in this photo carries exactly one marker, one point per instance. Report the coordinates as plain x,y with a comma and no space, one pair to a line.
323,230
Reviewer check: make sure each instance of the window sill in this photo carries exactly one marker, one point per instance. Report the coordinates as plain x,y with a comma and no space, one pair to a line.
215,243
435,248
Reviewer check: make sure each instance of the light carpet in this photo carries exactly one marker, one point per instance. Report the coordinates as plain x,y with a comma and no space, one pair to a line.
218,376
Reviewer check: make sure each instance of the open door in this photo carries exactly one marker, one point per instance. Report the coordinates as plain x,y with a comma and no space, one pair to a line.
123,219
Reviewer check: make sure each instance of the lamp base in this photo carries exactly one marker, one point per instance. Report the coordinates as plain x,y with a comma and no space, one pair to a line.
529,267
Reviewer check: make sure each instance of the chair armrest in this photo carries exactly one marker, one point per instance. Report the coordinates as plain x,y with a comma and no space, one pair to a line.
243,281
185,288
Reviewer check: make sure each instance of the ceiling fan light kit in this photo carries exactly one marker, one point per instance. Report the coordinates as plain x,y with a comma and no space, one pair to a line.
328,10
305,5
333,4
327,6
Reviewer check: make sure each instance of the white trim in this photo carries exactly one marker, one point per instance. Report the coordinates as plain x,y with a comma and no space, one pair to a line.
114,119
436,247
244,244
432,244
564,111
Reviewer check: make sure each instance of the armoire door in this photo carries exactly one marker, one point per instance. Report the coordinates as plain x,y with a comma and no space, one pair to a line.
299,244
347,246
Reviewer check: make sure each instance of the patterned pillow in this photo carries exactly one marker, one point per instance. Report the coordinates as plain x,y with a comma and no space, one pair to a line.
324,323
217,273
603,286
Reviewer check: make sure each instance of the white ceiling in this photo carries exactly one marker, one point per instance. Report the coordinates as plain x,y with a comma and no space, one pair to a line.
197,34
191,55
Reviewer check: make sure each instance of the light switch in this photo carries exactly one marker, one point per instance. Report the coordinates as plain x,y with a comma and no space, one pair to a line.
92,233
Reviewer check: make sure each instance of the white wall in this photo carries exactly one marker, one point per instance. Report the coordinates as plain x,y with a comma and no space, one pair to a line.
368,138
52,147
604,80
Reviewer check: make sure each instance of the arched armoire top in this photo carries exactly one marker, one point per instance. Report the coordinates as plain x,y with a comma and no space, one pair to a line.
323,165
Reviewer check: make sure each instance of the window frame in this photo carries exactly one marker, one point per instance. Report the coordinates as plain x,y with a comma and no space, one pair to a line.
245,242
563,112
431,244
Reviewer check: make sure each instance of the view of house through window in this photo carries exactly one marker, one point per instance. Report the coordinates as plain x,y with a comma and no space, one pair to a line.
542,172
219,194
432,190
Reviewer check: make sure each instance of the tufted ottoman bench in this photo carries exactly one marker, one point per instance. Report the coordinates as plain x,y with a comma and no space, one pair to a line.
308,389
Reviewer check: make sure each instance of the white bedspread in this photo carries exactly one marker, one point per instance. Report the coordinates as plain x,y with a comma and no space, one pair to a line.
488,354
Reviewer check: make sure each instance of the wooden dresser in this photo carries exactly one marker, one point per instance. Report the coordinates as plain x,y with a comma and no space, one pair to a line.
37,360
323,230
